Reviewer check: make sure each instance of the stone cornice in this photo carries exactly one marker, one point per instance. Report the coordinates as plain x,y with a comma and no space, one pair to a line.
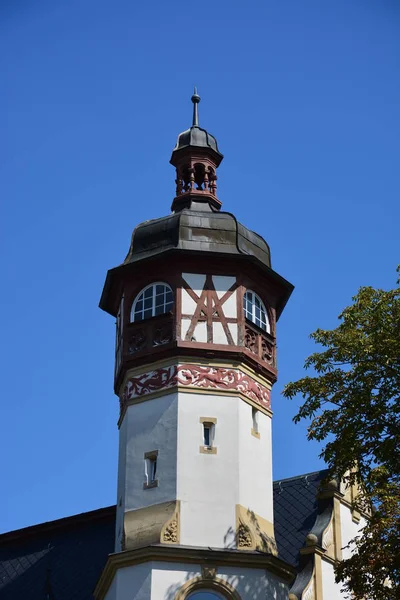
193,555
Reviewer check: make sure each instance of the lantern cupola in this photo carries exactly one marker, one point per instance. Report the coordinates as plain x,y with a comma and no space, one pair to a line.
196,158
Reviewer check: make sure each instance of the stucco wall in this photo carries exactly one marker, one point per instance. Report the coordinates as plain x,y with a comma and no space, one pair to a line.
251,584
330,589
162,581
151,425
121,485
131,583
208,483
209,486
255,463
349,528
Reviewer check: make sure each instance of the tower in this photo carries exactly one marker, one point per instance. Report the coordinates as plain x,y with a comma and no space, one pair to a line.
196,303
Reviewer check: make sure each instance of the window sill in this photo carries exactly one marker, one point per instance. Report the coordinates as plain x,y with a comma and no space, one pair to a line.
152,484
208,450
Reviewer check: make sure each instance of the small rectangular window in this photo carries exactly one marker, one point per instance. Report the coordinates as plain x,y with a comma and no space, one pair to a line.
151,469
208,434
255,425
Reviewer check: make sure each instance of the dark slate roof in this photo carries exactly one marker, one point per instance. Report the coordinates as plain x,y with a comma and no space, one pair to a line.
63,559
295,512
196,137
197,230
60,560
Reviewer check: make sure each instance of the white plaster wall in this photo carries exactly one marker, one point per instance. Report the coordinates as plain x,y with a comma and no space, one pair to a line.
222,284
207,483
219,335
151,425
330,589
233,328
112,590
349,528
196,281
131,583
251,584
121,484
188,304
255,463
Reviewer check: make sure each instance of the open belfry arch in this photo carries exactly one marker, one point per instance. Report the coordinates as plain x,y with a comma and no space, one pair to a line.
196,303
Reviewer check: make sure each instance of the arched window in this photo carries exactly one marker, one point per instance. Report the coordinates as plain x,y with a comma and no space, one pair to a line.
205,594
155,299
199,588
255,311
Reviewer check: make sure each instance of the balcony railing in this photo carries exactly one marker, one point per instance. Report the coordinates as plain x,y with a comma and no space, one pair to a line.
260,343
144,336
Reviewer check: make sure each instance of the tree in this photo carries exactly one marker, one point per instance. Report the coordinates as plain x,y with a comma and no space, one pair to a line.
353,403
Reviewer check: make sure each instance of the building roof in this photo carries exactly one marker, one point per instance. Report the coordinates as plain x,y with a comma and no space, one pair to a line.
295,512
59,560
63,559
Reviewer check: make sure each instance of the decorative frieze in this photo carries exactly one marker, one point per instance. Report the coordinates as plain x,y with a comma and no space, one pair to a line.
195,376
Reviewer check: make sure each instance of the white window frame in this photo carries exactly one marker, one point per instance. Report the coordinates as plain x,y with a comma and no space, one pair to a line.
255,419
153,307
208,423
210,428
252,316
150,469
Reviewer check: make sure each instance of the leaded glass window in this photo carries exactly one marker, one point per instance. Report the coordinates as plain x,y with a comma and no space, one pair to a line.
205,595
255,311
155,299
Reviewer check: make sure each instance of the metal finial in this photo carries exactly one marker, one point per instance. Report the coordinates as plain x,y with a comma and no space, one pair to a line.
195,100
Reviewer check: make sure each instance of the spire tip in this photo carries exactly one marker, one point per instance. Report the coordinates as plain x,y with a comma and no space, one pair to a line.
195,100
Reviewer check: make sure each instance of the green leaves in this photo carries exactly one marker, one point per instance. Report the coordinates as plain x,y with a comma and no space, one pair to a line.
353,400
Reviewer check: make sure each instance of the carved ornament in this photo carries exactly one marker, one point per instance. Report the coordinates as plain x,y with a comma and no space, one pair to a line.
244,539
194,376
170,535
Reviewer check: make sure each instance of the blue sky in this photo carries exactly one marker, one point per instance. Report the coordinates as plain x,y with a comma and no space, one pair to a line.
303,98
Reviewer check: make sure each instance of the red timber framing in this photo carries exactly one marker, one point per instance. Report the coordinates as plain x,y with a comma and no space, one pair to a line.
161,337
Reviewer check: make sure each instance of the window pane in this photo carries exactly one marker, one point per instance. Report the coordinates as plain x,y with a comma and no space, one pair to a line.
205,595
157,299
206,435
255,311
160,300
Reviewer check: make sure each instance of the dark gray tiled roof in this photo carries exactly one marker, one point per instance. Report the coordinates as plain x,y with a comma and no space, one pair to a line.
295,511
63,560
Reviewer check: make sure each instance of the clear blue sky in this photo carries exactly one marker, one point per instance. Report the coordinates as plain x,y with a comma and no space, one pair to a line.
303,98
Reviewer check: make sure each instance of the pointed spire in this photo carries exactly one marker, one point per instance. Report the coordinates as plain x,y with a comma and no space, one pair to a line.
195,100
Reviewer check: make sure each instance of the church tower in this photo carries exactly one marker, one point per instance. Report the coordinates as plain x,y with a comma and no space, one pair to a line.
196,304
